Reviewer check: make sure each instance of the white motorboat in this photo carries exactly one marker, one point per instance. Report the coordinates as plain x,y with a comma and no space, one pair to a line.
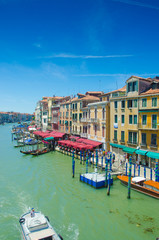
36,226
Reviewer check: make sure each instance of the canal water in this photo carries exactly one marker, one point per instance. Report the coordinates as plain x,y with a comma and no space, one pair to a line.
76,210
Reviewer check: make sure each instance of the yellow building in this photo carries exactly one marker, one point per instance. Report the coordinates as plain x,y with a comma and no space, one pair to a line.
78,104
95,122
133,121
66,116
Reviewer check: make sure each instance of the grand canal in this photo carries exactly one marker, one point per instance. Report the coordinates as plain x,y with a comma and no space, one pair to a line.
76,210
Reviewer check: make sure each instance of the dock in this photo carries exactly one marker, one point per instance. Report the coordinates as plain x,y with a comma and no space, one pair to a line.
94,179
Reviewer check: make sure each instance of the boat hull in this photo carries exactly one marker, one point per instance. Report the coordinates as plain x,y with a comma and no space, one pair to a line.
139,188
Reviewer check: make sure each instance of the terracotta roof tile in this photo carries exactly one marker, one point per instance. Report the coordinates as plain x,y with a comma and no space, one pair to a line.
150,91
123,89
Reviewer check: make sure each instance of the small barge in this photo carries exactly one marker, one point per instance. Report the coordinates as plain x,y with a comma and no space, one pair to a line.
35,226
150,187
95,179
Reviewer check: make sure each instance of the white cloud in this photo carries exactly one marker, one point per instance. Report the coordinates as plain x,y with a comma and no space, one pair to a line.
137,4
63,55
38,45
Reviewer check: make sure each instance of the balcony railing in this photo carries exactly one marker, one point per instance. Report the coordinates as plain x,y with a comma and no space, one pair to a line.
148,126
153,146
84,135
132,142
84,119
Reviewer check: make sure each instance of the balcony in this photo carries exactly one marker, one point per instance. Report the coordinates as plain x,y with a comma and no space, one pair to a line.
153,146
85,135
148,126
122,141
56,106
84,120
132,143
118,94
143,145
74,120
115,140
93,120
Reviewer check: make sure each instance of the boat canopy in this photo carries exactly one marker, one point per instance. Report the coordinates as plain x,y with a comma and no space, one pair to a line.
41,234
138,179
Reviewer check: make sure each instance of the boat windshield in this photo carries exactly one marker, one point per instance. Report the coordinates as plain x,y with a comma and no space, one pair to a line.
47,238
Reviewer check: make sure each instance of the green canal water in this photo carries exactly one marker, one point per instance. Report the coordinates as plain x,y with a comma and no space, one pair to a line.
76,210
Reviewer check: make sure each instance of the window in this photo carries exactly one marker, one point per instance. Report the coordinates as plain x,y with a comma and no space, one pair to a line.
80,116
115,118
103,114
122,136
80,104
143,138
73,106
115,135
144,119
63,114
135,119
144,102
89,113
154,139
135,103
154,102
103,131
130,87
130,119
44,120
95,113
154,121
123,104
133,137
122,118
115,104
76,106
95,130
134,86
129,103
89,129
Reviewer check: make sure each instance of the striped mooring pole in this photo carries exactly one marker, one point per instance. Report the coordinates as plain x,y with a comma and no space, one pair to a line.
144,172
80,157
129,178
93,159
151,174
83,157
89,158
73,165
156,171
106,171
110,162
87,163
96,158
108,190
102,162
126,169
138,170
134,169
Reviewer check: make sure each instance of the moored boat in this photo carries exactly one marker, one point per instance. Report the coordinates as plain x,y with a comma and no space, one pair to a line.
27,151
40,151
150,187
36,226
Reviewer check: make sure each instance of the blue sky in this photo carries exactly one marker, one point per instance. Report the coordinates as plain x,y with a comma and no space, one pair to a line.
55,47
